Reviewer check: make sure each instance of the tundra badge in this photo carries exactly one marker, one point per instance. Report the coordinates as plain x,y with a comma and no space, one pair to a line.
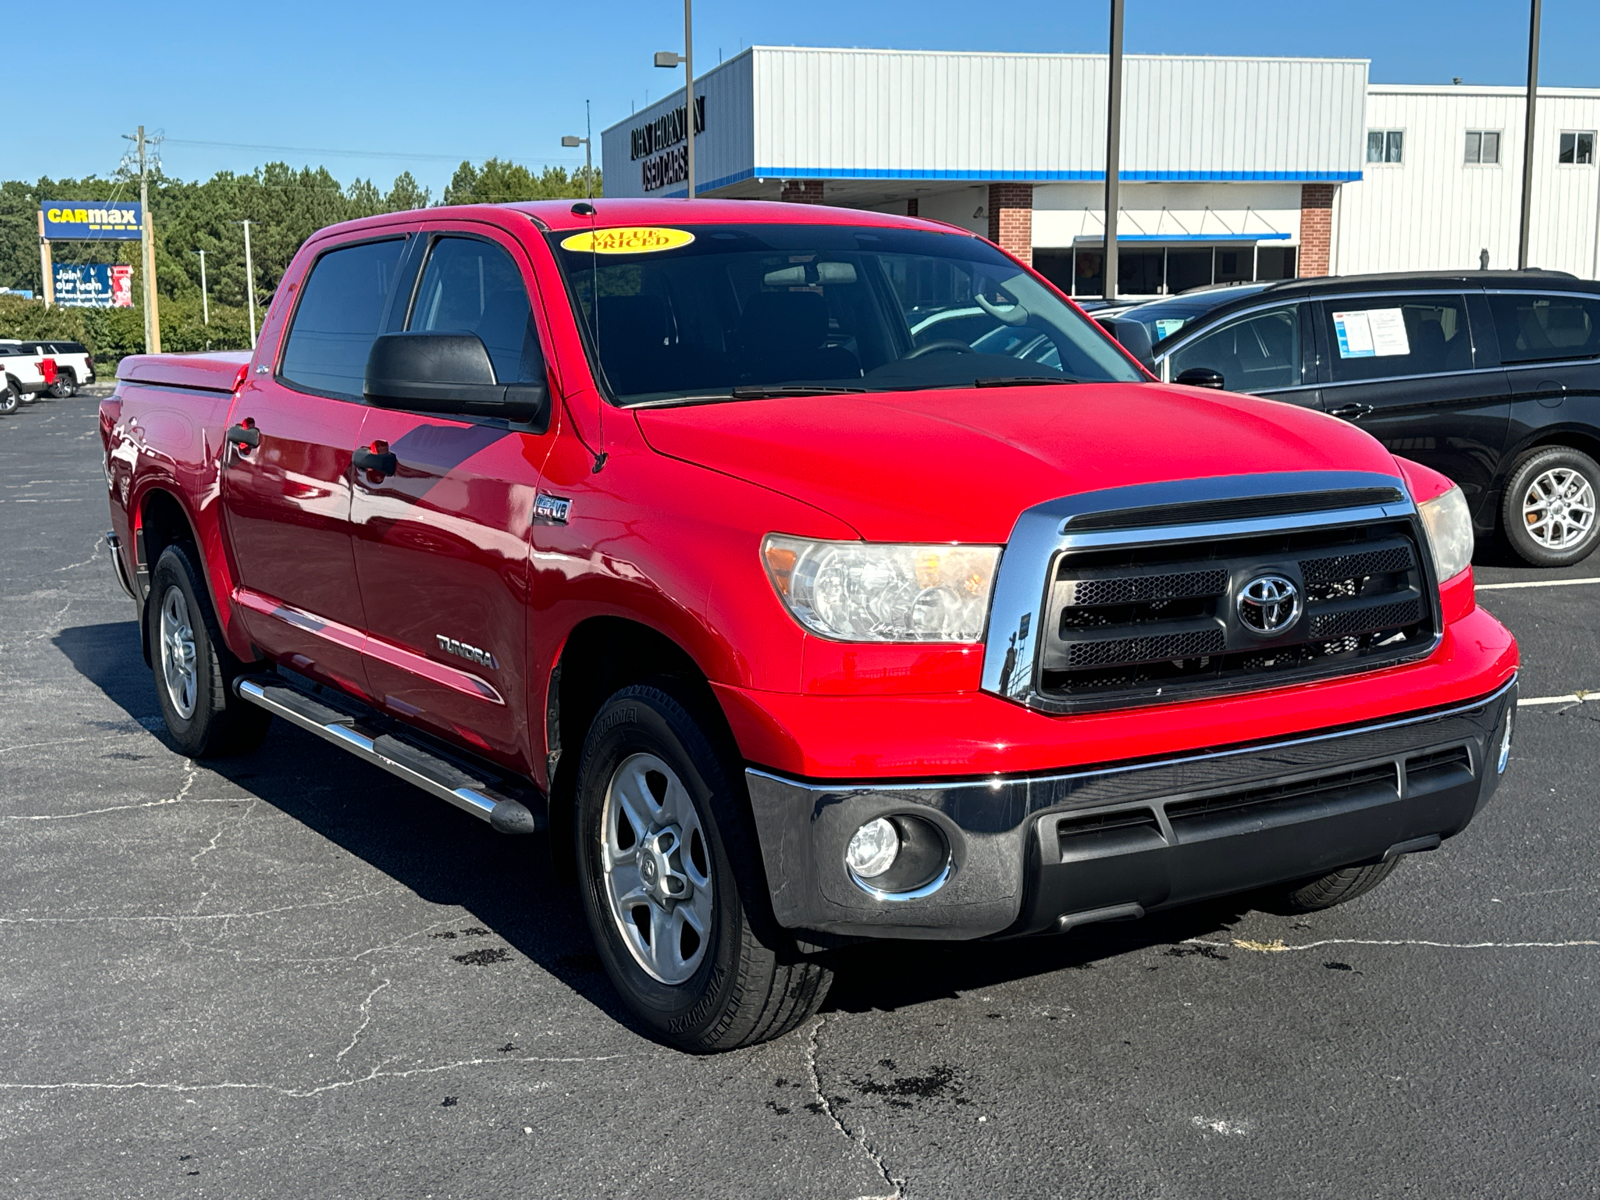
471,653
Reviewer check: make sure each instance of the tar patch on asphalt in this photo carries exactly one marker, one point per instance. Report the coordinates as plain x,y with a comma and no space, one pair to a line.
903,1091
482,958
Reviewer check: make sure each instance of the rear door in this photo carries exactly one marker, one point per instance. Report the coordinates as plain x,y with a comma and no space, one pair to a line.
287,497
441,546
1405,368
1262,352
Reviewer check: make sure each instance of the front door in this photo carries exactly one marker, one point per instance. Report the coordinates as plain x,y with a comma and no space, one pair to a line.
1264,352
441,545
287,497
1405,369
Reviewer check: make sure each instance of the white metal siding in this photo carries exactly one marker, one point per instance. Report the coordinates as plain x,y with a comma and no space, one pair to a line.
891,114
722,152
1433,211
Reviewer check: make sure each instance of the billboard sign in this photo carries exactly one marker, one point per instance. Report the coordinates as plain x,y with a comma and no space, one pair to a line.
91,220
86,285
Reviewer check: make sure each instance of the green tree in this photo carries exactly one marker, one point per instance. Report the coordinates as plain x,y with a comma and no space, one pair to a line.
502,182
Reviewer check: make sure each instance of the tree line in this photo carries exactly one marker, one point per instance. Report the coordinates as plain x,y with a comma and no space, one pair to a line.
284,205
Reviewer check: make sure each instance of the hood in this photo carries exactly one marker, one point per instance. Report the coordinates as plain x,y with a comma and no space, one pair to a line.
961,464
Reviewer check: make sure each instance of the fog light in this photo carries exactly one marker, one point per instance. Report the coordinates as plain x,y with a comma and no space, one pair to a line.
1505,744
873,849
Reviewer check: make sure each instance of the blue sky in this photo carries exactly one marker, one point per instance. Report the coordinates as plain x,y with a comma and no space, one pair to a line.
414,86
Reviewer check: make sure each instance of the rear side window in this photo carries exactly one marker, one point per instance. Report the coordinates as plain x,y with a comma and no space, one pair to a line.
471,286
1535,328
1257,353
337,320
1380,337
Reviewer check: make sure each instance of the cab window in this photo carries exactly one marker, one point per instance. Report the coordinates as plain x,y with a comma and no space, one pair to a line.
1535,328
337,319
1381,337
1257,353
472,286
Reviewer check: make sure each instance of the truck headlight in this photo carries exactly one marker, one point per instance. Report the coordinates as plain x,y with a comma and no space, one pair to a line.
864,592
1449,527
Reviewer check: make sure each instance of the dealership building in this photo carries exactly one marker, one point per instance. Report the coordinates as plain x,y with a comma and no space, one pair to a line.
1232,168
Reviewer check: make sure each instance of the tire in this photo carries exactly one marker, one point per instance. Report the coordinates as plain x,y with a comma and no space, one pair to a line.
1550,512
8,398
194,670
1336,887
653,789
64,386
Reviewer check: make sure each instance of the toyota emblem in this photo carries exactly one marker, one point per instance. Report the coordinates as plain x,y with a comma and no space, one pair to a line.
1269,605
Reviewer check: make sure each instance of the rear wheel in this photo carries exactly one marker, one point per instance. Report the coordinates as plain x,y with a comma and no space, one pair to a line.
193,667
64,386
1550,512
671,881
1336,887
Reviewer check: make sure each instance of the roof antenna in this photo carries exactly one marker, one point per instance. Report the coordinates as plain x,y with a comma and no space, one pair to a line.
584,209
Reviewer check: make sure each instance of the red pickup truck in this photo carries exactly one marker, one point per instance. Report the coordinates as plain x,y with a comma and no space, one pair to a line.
810,575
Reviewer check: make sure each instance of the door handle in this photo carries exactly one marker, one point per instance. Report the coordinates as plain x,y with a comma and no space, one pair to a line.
1350,412
243,437
375,460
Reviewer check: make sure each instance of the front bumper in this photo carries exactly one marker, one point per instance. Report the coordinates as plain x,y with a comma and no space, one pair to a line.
1039,853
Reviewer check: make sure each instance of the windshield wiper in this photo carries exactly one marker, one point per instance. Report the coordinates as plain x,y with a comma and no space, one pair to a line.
773,391
1022,380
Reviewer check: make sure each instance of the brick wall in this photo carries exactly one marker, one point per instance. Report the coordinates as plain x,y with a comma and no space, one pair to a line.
1011,218
802,191
1316,228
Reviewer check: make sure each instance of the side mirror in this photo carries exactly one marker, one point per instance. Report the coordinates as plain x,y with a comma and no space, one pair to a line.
1133,337
449,373
1201,377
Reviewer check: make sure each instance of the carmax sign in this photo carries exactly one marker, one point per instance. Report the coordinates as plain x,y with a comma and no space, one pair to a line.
90,220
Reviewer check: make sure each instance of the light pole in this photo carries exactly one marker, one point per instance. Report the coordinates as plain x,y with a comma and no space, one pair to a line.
572,143
1113,148
205,301
249,282
666,58
1527,137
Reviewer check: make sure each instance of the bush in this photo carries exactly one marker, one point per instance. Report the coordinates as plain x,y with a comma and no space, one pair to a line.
113,333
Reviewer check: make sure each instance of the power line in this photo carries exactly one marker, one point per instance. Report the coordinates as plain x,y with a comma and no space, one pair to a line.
375,154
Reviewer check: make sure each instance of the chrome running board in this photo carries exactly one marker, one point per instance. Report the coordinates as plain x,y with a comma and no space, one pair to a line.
385,743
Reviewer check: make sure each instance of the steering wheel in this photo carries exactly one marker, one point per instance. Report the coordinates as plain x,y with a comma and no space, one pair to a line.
954,345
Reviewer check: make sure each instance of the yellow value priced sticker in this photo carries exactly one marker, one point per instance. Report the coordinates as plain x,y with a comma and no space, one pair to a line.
628,240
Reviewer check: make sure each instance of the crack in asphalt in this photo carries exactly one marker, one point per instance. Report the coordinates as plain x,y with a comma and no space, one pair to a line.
376,1073
859,1139
182,918
366,1019
1277,946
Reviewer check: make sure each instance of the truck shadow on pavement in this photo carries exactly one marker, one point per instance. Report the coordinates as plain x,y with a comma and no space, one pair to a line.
508,883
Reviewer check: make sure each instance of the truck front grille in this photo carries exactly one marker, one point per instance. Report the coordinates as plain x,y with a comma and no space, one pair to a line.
1146,623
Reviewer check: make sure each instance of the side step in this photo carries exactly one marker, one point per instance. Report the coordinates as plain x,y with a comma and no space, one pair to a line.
471,787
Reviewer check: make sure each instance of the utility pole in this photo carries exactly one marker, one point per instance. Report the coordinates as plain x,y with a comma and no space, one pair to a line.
147,247
1527,137
666,58
249,281
205,301
1113,149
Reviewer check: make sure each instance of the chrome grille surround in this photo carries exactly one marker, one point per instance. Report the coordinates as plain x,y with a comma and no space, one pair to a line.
1028,624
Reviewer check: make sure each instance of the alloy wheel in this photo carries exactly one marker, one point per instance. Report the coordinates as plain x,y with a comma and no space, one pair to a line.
1558,509
178,654
657,868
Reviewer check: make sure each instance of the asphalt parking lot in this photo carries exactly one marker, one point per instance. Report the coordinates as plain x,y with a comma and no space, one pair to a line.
291,975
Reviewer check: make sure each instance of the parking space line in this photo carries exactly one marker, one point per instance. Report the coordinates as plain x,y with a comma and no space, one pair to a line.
1531,583
1577,697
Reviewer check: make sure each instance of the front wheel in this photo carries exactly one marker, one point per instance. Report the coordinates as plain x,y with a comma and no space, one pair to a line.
672,885
8,398
193,667
1336,887
1549,510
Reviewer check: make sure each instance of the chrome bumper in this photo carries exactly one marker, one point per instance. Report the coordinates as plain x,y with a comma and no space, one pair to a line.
1040,853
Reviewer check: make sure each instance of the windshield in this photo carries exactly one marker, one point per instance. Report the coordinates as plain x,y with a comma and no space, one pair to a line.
1163,318
737,311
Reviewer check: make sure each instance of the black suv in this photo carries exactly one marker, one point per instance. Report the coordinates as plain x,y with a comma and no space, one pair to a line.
1491,377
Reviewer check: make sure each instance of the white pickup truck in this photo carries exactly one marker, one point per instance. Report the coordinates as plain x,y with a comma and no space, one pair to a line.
74,365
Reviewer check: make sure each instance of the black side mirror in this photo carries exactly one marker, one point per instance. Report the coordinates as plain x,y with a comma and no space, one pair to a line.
1133,337
449,373
1201,377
